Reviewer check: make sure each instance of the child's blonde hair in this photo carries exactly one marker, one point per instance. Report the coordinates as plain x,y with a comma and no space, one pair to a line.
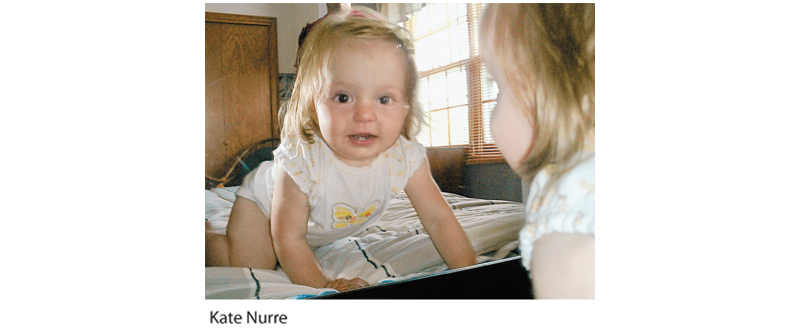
316,55
546,52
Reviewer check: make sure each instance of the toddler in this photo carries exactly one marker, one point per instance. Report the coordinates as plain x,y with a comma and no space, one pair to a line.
346,150
542,58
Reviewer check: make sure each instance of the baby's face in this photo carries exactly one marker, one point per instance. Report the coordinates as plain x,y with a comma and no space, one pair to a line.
362,108
510,127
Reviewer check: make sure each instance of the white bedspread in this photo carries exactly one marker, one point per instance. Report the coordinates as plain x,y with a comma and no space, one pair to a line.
396,247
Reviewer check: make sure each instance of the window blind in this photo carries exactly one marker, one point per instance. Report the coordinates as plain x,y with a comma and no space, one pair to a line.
456,91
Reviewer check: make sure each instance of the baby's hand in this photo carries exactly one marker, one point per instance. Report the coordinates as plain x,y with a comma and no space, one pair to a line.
342,284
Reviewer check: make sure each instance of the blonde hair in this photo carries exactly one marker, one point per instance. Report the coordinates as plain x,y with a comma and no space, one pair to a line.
546,52
297,115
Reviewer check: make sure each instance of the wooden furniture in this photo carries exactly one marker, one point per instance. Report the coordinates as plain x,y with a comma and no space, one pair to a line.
241,87
447,168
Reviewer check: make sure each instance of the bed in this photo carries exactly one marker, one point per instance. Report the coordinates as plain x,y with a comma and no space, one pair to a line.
393,249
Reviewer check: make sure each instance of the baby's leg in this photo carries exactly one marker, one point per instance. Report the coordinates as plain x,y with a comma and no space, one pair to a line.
248,242
217,248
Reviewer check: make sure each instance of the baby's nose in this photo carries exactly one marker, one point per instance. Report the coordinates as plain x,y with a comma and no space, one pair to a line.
364,111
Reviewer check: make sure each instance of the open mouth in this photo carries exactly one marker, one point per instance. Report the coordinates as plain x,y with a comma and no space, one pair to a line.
363,137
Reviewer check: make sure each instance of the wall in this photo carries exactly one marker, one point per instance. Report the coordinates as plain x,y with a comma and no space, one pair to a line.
292,17
492,181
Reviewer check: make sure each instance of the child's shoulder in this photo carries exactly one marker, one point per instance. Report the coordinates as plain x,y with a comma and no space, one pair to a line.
406,151
303,161
293,146
404,159
408,146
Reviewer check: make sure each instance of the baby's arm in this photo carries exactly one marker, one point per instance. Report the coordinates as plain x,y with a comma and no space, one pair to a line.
289,223
438,219
563,266
290,210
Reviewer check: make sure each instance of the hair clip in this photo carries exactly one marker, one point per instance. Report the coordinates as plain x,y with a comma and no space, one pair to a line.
403,41
357,13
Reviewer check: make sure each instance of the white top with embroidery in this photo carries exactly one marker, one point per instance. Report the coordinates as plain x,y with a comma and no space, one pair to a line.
343,199
567,207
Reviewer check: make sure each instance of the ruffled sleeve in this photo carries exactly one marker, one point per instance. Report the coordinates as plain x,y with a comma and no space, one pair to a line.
404,159
301,161
568,207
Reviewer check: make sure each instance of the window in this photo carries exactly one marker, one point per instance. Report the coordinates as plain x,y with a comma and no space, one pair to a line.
456,91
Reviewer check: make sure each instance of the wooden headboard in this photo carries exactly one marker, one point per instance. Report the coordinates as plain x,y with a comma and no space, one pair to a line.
241,87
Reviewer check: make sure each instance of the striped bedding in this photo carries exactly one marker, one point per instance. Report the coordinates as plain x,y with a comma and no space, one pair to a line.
394,248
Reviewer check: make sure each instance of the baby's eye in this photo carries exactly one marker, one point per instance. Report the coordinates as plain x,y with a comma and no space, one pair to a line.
342,98
385,100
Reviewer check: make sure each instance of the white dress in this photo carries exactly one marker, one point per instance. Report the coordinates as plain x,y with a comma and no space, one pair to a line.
343,199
